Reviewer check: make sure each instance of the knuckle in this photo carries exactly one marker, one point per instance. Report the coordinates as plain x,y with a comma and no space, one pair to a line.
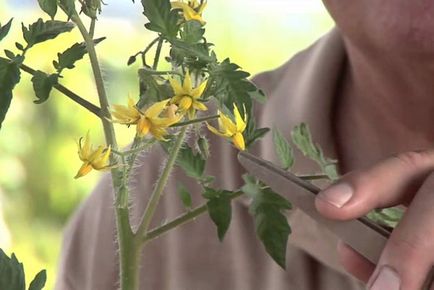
412,158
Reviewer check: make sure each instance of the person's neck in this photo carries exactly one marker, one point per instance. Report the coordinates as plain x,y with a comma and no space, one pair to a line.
394,88
385,106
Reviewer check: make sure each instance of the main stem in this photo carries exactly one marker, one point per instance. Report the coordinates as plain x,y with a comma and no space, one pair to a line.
129,246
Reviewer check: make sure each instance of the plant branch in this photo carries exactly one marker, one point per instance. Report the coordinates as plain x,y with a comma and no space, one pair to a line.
102,95
157,53
162,180
199,120
145,70
68,93
182,219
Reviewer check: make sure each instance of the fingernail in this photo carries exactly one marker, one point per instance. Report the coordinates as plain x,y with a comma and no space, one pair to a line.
386,279
337,195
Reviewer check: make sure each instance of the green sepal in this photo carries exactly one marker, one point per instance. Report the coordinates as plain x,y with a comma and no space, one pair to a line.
91,8
11,273
9,77
42,85
41,31
185,196
4,30
49,7
283,149
161,17
271,224
219,209
302,138
39,281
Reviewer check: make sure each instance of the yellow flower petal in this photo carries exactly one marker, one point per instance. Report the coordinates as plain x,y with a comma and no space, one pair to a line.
202,7
176,86
185,103
197,92
238,141
187,85
143,127
240,124
84,169
159,133
84,148
156,109
227,125
217,132
102,160
199,106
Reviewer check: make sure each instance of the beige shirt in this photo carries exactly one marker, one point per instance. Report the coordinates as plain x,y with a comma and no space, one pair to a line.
191,257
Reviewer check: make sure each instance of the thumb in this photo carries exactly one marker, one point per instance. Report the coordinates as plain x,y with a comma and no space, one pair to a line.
390,182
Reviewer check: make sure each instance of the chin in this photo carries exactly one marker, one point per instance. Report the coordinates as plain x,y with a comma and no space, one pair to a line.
399,26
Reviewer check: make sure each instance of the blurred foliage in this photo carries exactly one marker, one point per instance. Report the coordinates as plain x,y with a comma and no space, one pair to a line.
37,142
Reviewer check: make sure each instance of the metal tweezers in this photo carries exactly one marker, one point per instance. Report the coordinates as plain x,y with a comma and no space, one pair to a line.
363,235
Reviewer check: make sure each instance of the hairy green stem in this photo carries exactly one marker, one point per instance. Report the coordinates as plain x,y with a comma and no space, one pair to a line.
68,93
102,95
182,219
129,247
158,190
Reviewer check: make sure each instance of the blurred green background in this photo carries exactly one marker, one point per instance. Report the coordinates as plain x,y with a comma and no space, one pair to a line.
38,142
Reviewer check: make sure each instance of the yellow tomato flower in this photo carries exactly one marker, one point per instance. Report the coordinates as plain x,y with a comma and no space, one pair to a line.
230,129
192,10
148,121
187,97
92,159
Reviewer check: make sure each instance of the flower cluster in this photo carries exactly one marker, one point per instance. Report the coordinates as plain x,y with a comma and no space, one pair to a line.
230,129
159,117
97,159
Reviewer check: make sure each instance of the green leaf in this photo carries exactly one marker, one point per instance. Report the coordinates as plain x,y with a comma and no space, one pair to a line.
282,149
49,7
231,86
161,17
68,6
4,30
259,96
219,209
42,85
11,273
203,145
185,196
192,32
9,77
39,281
41,31
70,56
192,163
199,52
255,135
303,140
271,224
389,217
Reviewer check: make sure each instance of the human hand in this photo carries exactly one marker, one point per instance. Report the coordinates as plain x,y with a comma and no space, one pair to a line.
405,179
